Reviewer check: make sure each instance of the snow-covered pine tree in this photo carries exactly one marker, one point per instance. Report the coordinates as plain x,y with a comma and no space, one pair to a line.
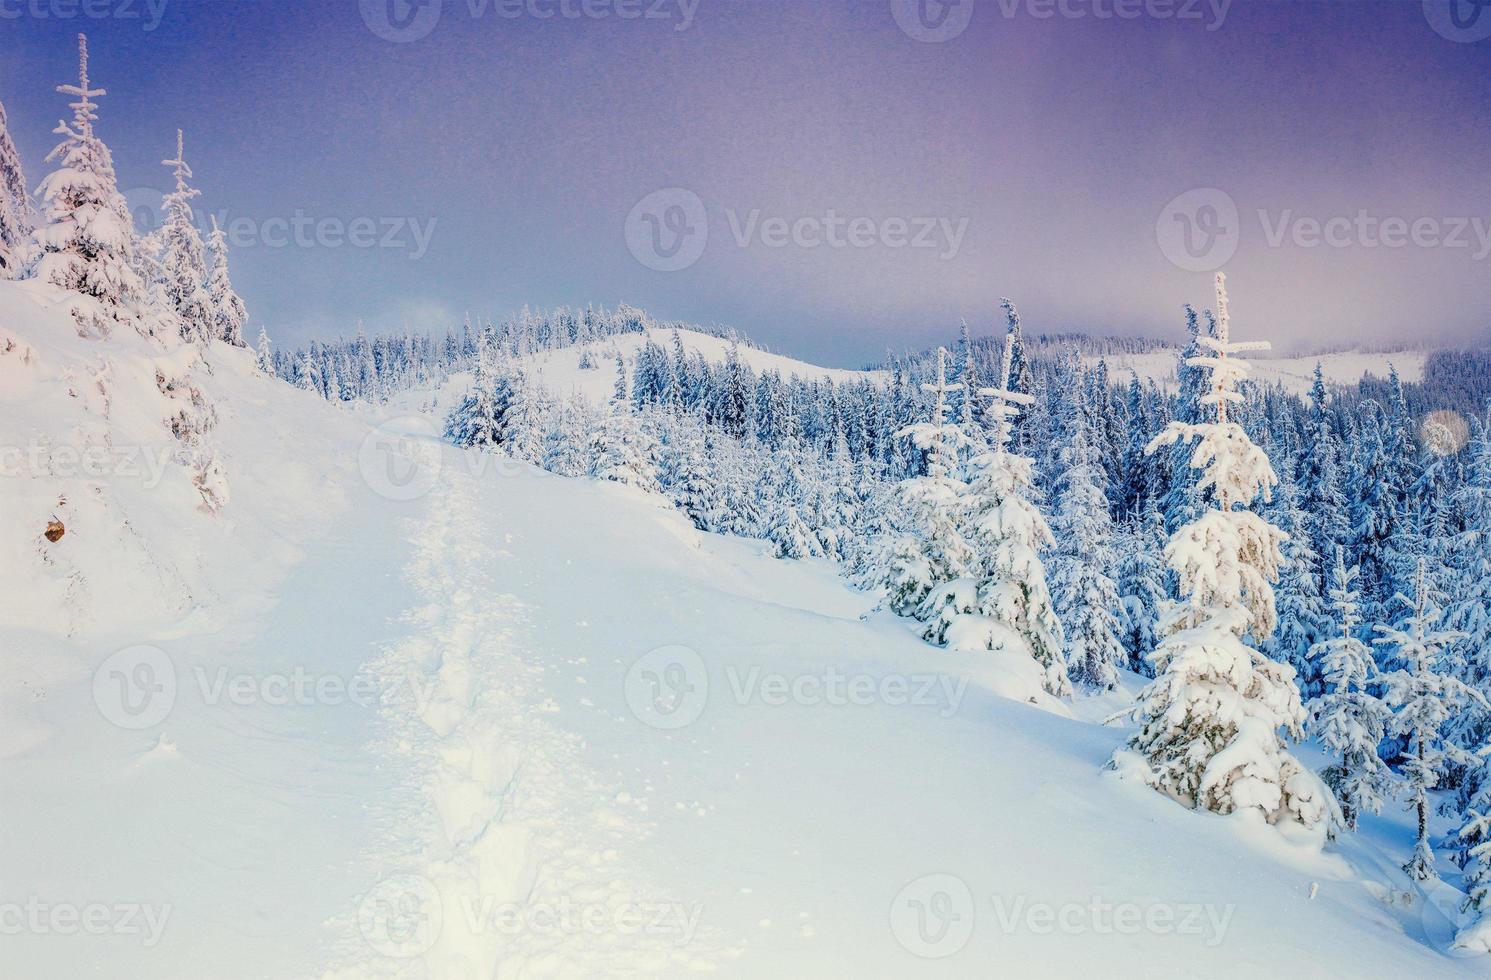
263,357
1302,619
1082,586
930,555
17,216
1008,606
1209,723
1348,718
1475,835
1422,700
182,256
1142,588
228,313
87,236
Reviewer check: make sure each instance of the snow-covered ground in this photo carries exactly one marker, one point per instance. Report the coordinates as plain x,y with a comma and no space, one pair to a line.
400,710
1295,374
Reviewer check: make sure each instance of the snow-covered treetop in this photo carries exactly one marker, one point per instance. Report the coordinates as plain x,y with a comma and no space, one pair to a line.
82,110
1004,404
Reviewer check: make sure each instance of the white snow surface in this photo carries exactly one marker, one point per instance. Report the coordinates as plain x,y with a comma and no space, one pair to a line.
438,715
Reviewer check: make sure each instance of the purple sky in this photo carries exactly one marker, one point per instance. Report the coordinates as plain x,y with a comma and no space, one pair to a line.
1044,153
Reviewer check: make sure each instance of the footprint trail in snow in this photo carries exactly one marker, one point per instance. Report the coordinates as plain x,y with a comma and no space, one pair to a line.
512,861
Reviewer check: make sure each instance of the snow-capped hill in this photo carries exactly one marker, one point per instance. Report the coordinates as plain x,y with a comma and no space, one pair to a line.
561,372
129,451
1295,374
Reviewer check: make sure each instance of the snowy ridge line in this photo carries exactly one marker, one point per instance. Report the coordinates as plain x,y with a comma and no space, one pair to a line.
513,865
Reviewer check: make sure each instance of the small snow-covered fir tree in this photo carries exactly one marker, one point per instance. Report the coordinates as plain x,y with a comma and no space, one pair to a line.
263,357
17,216
1422,700
930,555
182,256
622,451
1006,605
1142,587
1348,718
1210,723
228,313
86,235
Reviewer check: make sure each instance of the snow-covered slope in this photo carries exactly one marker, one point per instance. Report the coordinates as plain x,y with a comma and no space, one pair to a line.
428,714
1296,374
560,370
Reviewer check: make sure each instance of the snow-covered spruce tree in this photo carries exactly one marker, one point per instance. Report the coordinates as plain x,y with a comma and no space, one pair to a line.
930,554
1475,834
263,358
1210,721
17,216
1348,718
1422,700
1142,588
86,235
228,312
1007,605
1082,587
1303,622
784,496
182,256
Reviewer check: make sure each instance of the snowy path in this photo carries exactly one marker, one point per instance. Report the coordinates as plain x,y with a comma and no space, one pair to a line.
515,863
